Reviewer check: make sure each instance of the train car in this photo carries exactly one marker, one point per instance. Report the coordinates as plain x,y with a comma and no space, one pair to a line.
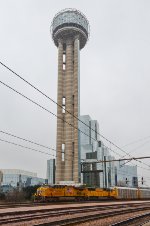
143,193
131,193
98,193
126,193
64,192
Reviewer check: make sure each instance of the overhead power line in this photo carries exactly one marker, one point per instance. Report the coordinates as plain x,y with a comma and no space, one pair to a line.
50,112
111,143
33,142
19,76
136,141
117,160
22,146
99,161
57,116
29,141
141,145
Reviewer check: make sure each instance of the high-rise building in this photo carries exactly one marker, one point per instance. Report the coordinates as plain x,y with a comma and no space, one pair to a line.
50,175
105,174
92,150
70,32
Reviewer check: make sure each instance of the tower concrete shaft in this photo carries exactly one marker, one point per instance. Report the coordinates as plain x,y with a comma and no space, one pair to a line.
67,159
70,32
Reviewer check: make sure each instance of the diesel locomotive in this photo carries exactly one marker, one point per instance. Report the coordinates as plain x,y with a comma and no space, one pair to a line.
47,193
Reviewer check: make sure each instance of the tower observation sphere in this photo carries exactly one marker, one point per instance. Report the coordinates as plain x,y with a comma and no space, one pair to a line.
70,23
70,32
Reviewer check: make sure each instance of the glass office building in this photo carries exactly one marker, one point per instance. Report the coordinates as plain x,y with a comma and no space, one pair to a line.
12,177
50,175
103,174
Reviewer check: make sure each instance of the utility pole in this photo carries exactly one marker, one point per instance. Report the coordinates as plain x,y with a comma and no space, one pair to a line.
105,173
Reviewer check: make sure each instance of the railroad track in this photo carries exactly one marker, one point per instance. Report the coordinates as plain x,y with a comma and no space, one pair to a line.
90,217
80,214
15,205
32,204
133,220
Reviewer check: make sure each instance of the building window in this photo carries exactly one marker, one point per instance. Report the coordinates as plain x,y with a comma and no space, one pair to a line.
99,143
64,57
63,152
63,105
63,101
64,61
64,66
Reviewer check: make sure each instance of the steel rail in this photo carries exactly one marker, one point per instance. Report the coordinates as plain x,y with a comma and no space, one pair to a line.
90,217
131,220
37,214
16,216
103,207
32,204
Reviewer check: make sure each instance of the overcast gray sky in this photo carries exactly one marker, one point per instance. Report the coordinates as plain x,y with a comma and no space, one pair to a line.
115,75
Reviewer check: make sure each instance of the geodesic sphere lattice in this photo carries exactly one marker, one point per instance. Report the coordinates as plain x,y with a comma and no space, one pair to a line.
68,24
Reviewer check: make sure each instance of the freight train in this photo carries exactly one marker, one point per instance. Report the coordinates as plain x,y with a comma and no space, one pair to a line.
62,192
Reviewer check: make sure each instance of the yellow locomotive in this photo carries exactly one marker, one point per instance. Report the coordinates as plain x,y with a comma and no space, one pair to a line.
64,192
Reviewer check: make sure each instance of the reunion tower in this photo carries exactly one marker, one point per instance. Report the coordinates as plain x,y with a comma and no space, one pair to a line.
70,31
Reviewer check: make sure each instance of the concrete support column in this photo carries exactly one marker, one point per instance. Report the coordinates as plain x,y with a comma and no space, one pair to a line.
68,117
76,111
60,123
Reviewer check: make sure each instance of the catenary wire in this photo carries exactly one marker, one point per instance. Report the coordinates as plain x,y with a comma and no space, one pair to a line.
51,113
32,142
29,141
134,149
111,143
24,139
22,146
59,117
136,141
33,149
19,76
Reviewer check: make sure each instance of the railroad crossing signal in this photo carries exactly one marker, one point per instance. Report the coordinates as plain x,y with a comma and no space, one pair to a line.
142,181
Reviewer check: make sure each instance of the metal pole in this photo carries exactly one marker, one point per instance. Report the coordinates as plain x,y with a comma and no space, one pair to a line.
105,172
